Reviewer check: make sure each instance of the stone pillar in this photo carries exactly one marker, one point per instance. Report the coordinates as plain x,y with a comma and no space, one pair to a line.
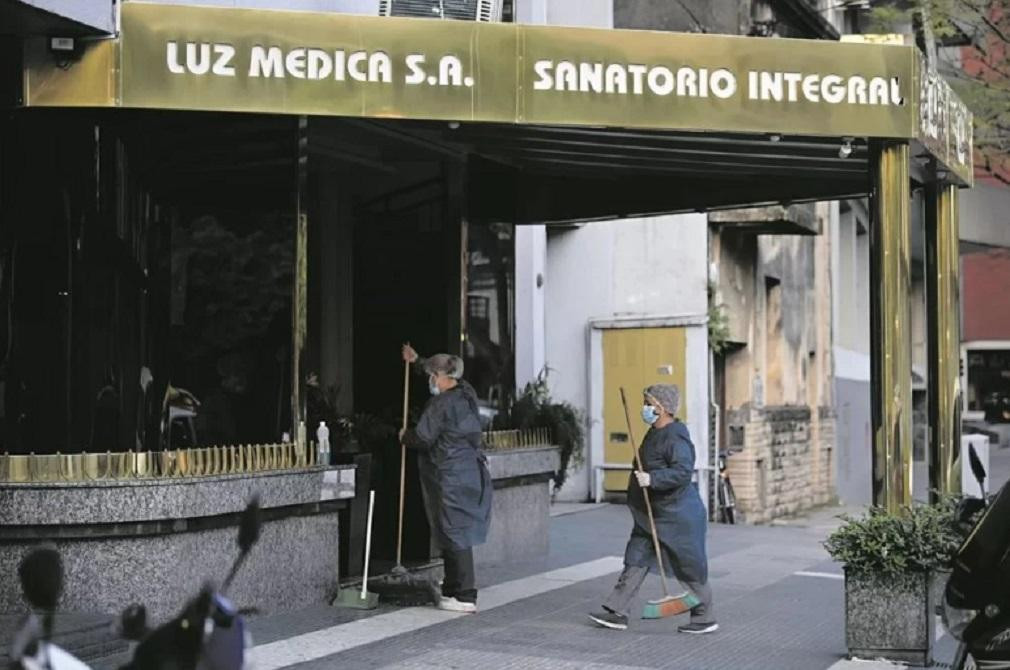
944,338
890,334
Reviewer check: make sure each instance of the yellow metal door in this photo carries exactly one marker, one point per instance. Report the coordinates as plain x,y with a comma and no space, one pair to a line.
634,358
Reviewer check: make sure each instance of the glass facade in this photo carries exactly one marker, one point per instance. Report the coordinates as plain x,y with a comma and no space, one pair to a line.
490,316
146,281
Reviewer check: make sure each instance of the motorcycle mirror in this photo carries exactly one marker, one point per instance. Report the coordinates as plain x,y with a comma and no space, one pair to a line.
977,468
133,622
249,526
41,574
968,508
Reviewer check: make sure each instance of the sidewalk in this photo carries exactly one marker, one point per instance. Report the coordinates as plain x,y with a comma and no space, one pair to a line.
771,617
779,601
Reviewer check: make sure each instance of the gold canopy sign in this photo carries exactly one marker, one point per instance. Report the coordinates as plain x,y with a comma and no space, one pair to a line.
201,58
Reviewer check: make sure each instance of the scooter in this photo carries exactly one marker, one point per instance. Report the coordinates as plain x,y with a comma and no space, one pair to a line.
41,575
209,633
977,596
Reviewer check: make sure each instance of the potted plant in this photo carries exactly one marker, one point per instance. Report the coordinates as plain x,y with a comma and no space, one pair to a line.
891,564
534,408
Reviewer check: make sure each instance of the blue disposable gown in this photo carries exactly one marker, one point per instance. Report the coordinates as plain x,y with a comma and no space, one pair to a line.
455,481
668,456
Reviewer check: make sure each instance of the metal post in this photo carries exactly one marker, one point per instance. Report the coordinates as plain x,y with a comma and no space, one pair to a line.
890,333
944,328
300,287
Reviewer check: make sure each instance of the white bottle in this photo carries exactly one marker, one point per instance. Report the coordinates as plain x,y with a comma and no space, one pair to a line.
323,435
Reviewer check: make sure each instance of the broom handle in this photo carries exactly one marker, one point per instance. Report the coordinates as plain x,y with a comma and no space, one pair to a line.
368,544
403,461
645,494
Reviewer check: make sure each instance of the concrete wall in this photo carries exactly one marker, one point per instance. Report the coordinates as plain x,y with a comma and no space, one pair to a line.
779,394
985,214
531,271
767,284
851,278
851,325
855,449
640,267
521,505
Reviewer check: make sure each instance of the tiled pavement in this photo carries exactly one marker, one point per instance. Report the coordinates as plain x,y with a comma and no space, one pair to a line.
771,617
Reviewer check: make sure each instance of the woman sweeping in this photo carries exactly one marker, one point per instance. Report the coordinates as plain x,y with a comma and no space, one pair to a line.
455,481
667,457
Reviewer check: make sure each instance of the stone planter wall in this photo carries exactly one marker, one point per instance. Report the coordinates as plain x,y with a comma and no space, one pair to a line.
156,541
520,514
890,617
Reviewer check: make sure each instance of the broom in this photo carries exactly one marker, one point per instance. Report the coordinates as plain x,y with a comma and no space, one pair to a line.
667,605
365,600
400,585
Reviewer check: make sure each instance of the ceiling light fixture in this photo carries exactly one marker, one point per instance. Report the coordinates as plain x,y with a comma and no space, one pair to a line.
845,150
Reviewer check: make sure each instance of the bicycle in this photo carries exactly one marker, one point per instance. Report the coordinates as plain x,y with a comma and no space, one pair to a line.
724,492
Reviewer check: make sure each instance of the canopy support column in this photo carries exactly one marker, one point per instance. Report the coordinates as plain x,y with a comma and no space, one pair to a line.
890,333
944,335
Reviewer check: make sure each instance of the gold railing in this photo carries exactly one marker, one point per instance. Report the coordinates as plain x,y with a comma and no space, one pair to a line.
517,439
202,462
180,463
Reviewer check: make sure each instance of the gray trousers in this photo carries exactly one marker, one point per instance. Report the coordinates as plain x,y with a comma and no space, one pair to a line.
460,577
631,580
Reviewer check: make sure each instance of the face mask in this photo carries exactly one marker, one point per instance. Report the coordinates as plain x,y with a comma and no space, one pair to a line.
433,387
649,414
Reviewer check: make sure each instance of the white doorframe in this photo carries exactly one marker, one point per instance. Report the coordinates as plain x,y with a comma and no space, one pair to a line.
696,398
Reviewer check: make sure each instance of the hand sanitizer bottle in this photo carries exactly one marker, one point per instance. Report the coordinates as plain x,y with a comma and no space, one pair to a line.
323,435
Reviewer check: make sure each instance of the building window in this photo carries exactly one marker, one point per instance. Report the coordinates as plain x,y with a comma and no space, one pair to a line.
490,318
989,384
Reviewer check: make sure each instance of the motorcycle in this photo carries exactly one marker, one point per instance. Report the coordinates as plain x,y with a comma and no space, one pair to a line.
209,633
977,596
41,575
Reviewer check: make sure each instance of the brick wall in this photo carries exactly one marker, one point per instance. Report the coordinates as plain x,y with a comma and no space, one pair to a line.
786,462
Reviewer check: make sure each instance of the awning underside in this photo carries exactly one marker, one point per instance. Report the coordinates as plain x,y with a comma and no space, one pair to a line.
525,174
544,174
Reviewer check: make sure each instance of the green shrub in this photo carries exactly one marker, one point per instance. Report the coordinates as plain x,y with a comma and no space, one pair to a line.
718,323
534,408
921,538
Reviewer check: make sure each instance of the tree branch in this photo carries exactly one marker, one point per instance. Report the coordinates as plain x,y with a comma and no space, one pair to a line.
981,14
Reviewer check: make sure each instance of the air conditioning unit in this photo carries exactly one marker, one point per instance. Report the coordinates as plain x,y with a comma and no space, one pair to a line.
460,10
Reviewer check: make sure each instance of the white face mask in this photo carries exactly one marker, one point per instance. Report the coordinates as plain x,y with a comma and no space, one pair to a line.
433,386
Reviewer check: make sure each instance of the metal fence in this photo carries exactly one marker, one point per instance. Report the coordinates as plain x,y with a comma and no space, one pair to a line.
200,462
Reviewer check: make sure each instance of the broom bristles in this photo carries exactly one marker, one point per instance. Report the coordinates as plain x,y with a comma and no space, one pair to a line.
670,606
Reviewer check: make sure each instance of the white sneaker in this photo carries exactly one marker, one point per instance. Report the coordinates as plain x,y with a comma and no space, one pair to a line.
453,605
